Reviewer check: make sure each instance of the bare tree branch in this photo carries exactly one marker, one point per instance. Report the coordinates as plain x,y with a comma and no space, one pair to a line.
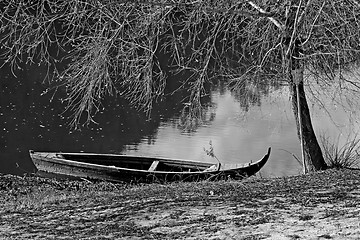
273,20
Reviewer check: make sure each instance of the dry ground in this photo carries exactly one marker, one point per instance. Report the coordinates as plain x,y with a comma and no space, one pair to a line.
324,205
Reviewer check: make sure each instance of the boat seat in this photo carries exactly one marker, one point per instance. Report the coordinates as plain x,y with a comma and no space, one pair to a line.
153,166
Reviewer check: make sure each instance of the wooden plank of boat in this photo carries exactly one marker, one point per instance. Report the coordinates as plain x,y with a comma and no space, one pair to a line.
125,168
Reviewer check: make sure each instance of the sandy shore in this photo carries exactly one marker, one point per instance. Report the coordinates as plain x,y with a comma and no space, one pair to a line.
324,205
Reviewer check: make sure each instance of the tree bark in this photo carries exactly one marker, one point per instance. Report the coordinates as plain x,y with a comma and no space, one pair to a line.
313,157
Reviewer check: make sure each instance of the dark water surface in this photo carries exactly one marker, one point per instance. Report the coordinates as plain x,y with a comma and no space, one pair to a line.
32,117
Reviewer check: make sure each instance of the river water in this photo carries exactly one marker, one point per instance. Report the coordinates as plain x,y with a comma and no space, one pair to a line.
32,117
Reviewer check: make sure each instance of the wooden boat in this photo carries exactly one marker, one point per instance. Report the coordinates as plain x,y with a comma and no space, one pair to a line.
125,168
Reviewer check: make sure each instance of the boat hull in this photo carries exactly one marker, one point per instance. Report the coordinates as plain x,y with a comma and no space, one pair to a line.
124,168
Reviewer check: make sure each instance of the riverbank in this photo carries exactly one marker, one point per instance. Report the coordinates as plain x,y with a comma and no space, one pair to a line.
323,205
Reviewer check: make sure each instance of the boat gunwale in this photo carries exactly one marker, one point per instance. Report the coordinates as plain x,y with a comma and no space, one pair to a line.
68,162
170,160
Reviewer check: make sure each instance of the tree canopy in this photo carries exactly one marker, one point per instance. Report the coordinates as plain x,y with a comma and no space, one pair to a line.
113,47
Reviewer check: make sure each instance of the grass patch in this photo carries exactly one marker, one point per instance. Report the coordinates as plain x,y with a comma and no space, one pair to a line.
339,155
84,210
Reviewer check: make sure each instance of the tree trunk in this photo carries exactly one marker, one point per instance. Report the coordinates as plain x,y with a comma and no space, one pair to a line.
313,157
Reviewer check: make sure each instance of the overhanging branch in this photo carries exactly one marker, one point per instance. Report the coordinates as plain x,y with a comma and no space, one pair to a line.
277,23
